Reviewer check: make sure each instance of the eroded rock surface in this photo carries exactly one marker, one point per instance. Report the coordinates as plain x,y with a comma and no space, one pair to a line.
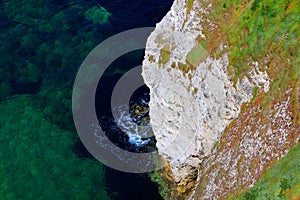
228,111
192,97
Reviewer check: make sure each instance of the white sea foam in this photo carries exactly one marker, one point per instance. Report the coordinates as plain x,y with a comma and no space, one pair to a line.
138,131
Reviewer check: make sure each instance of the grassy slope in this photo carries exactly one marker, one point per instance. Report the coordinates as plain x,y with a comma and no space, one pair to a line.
254,29
272,28
267,32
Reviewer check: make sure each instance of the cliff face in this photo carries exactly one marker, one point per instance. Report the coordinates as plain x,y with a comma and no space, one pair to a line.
210,75
192,99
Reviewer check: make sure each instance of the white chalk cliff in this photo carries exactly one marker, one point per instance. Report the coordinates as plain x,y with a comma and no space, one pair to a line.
192,99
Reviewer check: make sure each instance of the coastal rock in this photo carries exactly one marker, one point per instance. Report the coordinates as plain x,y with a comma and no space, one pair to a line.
192,100
224,94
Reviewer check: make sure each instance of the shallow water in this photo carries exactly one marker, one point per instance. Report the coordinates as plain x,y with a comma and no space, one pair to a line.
44,43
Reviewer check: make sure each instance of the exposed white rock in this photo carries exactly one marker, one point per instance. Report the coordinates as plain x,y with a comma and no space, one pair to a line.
188,115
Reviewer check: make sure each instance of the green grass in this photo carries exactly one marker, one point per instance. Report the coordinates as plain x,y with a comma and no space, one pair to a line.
189,6
254,29
255,90
164,55
263,25
196,55
216,144
267,32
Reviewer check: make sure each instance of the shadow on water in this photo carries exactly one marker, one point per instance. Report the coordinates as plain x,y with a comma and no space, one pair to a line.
121,185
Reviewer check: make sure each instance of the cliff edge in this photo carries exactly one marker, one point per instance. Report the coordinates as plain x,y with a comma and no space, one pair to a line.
224,88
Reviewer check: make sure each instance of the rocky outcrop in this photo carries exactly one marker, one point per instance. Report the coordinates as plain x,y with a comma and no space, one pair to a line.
224,87
192,96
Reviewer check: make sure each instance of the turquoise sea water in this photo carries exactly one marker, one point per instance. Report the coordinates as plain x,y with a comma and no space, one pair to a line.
43,45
